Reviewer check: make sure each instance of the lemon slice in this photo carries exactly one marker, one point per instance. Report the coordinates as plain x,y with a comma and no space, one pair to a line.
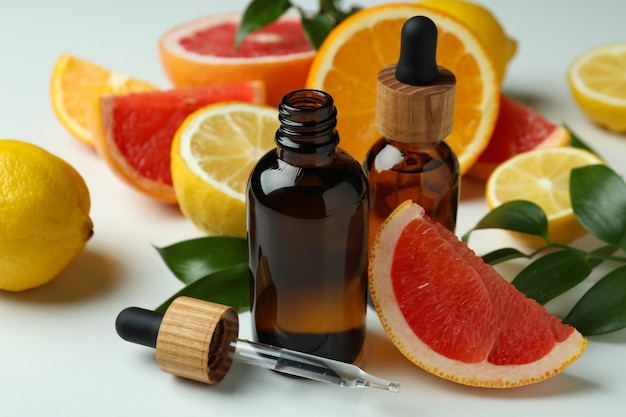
542,176
597,80
213,154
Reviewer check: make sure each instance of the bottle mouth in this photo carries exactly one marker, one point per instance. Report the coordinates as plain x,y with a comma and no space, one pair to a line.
308,119
307,99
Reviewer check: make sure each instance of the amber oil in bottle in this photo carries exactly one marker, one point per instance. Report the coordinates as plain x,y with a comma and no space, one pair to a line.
414,113
307,203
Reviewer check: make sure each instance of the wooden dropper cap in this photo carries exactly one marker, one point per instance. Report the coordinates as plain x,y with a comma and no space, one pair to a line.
193,339
415,97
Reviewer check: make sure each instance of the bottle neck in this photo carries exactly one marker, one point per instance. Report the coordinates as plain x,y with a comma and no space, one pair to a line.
307,131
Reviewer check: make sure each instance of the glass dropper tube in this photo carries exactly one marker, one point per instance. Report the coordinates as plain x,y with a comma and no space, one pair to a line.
307,366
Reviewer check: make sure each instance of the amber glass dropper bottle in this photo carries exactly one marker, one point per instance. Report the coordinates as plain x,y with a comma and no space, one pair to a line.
307,234
414,113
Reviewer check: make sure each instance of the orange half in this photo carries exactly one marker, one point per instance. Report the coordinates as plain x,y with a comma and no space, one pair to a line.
348,62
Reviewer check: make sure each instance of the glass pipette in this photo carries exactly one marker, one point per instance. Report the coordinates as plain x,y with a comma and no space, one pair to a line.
198,340
307,366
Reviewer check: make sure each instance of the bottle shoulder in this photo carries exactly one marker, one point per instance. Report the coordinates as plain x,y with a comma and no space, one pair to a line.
342,165
275,181
387,154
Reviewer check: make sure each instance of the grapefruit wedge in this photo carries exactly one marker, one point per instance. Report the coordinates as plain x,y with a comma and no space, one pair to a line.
455,316
135,132
518,129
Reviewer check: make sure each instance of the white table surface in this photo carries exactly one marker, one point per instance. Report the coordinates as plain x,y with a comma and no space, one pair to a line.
59,353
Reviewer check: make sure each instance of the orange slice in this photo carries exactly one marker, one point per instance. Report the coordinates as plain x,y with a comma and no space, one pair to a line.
75,88
455,316
347,64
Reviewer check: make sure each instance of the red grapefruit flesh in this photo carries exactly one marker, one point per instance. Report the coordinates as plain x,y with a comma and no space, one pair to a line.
518,129
135,132
455,316
201,52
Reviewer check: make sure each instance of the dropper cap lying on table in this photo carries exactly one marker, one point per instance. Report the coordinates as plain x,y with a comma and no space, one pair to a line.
198,340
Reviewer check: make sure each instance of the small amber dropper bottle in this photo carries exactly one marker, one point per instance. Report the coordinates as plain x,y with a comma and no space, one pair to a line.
307,235
414,113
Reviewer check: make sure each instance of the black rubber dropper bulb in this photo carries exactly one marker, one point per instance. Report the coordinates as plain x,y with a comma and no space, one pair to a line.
137,325
417,64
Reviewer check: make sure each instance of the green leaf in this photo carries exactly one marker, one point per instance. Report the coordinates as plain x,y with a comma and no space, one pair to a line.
598,255
603,308
317,27
196,258
599,201
331,8
258,14
518,216
577,142
231,287
553,274
501,255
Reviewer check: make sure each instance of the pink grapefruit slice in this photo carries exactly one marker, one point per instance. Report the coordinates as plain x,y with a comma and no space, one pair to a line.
518,129
455,316
201,52
135,132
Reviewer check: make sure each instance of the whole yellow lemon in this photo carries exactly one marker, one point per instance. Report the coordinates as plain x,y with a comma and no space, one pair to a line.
44,215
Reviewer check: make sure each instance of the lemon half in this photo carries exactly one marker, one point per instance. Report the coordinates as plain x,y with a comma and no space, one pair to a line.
213,154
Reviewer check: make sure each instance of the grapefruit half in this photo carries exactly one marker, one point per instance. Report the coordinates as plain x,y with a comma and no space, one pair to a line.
455,316
518,129
201,52
135,132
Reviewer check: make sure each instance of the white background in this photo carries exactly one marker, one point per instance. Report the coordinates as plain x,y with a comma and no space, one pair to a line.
59,353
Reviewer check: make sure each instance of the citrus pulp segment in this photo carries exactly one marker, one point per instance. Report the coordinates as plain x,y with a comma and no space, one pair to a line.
597,80
213,154
75,87
518,129
347,64
455,316
135,131
542,176
201,52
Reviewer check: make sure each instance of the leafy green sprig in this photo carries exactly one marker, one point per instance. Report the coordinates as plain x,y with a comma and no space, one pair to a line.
316,25
598,197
